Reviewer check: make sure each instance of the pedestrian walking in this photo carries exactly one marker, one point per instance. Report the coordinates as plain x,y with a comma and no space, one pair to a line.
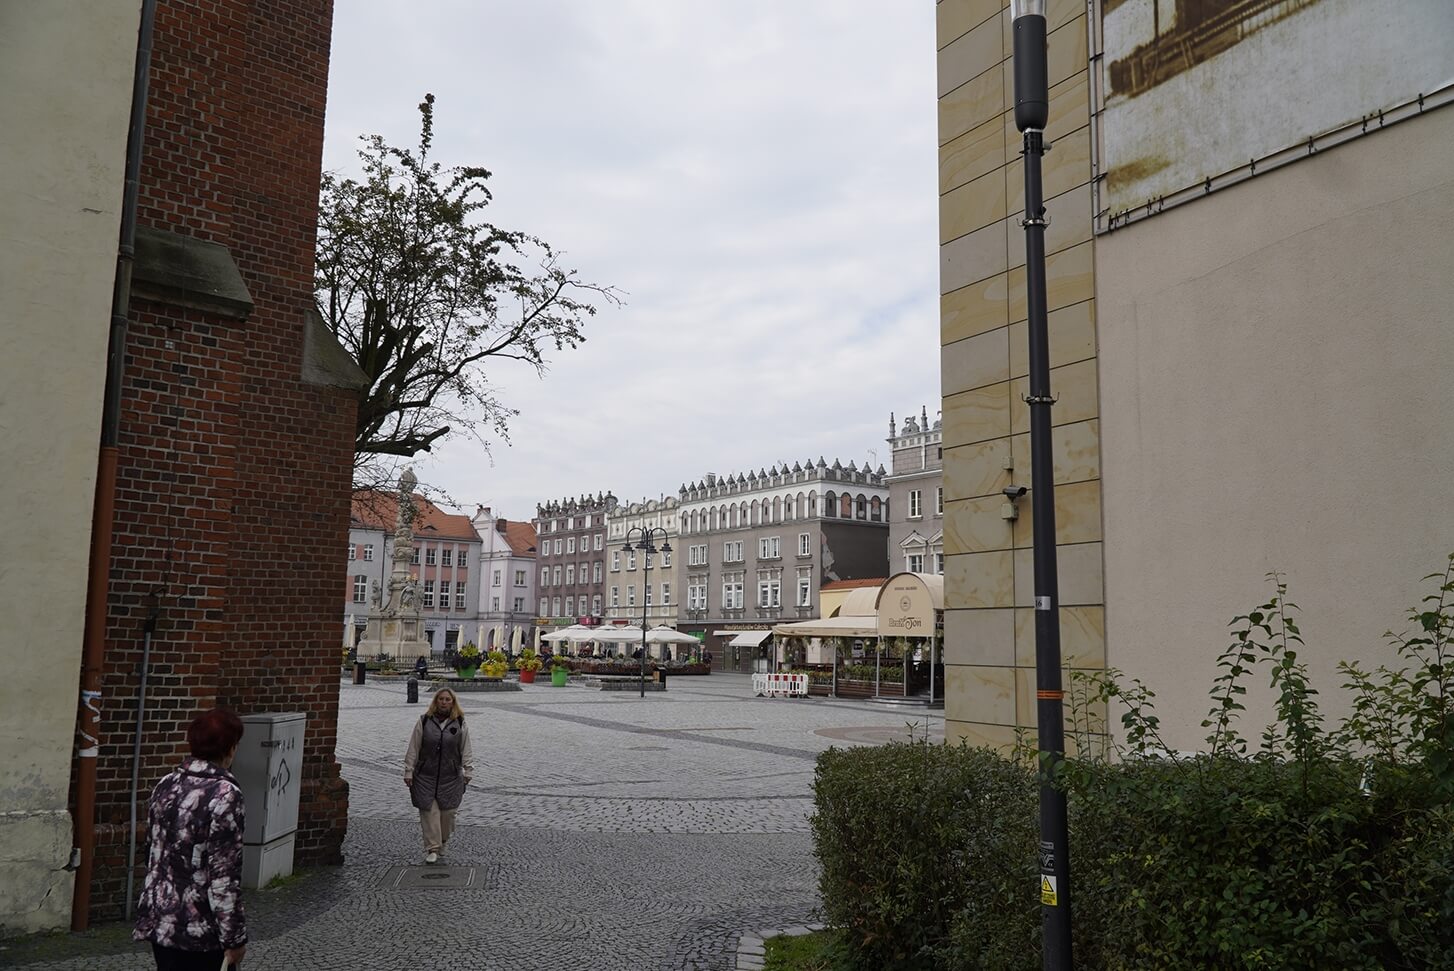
191,900
437,768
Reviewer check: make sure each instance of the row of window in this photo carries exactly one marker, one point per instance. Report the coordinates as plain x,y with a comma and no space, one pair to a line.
428,595
914,562
518,607
567,575
631,596
631,560
446,555
551,606
769,592
568,545
573,522
768,548
519,578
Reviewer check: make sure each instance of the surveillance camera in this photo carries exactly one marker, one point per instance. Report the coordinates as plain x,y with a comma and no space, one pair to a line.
1015,491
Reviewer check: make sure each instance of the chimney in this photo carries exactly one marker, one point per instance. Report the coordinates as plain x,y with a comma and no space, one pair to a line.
500,524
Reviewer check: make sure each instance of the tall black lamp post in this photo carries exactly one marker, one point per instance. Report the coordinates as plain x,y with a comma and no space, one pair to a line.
648,549
1032,111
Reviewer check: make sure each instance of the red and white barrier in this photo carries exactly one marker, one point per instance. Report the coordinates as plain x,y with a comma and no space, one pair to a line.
780,685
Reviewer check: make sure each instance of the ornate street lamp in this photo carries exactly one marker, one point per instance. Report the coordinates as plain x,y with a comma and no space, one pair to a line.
1032,111
648,548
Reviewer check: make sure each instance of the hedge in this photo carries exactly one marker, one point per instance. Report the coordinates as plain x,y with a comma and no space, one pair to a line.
1317,847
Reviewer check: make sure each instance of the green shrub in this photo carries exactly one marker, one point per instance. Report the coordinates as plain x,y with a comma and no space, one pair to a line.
1316,848
909,836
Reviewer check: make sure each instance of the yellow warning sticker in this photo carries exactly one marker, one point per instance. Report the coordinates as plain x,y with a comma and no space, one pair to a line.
1047,892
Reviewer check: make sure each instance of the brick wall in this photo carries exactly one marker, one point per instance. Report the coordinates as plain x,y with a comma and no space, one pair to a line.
233,491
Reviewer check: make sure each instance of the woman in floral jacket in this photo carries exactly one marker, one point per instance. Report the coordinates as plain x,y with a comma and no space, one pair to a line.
191,903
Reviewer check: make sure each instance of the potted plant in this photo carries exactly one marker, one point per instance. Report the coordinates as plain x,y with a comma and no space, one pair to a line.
467,661
559,671
528,665
496,664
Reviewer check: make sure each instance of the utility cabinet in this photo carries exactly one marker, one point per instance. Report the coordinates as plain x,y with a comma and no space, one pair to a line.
269,767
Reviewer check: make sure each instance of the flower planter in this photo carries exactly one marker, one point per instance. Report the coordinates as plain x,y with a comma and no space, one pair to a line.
467,673
527,677
557,678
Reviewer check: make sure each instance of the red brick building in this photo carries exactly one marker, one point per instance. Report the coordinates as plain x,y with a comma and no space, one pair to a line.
237,417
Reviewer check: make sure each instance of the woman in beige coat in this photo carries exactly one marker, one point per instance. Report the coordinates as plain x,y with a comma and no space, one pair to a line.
437,767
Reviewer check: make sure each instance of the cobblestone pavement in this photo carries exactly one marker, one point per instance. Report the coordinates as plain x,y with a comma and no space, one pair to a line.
606,832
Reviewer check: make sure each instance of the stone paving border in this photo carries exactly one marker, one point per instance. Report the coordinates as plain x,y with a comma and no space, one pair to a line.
751,945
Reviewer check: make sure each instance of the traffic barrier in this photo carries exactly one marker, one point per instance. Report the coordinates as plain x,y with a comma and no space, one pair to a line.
780,685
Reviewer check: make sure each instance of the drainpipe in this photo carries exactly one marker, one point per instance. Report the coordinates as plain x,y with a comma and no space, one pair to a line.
93,652
146,635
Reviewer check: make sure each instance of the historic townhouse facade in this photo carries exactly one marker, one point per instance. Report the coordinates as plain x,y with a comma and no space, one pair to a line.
916,495
571,562
446,558
627,572
756,549
507,580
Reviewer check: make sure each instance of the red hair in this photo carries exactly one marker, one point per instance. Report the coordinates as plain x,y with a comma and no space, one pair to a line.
214,733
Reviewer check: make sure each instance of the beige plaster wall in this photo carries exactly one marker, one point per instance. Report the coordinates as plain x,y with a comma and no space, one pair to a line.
66,66
1276,393
989,630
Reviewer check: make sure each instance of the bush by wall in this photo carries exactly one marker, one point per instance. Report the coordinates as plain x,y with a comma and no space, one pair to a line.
1316,848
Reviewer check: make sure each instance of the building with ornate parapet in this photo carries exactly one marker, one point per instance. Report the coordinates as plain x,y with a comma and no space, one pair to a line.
571,559
916,495
755,549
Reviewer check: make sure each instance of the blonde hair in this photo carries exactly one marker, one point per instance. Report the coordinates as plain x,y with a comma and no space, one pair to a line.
455,711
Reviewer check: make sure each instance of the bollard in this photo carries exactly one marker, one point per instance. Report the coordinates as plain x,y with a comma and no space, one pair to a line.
360,672
413,691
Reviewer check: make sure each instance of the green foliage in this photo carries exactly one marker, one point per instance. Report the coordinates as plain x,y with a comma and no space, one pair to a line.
1319,848
819,951
923,850
528,661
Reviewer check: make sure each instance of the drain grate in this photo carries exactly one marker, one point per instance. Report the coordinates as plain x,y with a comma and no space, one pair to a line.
438,878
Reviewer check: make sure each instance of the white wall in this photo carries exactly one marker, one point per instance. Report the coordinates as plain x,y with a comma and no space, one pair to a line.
1277,394
66,68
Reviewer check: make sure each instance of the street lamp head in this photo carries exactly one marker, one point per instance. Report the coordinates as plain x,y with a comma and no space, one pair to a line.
627,547
1032,95
666,547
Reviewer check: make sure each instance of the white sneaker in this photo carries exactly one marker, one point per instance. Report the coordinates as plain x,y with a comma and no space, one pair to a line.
431,857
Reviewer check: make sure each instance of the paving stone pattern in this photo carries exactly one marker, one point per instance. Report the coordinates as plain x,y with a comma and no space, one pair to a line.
608,832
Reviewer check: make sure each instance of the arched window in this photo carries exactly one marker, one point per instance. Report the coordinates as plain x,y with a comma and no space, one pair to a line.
845,506
813,504
736,516
875,512
756,514
777,509
830,504
860,507
800,505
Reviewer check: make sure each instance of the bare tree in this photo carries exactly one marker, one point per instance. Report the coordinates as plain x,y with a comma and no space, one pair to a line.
424,294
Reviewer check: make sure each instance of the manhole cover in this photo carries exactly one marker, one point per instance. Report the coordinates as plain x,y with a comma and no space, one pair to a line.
437,878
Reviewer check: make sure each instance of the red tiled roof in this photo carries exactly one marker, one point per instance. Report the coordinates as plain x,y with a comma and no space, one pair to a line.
854,584
377,511
520,536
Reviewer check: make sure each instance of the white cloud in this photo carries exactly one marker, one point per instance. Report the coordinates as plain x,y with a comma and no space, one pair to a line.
758,176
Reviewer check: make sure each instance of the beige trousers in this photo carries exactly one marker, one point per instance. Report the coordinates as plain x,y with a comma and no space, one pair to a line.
437,824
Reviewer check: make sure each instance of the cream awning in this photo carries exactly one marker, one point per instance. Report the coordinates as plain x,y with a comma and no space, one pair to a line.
831,627
745,638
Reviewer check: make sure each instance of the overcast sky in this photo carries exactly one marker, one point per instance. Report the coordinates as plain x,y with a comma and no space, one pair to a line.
758,176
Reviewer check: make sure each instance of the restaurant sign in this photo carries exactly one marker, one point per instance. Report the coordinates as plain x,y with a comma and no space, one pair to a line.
905,608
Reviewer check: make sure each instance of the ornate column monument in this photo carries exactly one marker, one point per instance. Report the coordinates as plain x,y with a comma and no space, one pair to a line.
395,626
